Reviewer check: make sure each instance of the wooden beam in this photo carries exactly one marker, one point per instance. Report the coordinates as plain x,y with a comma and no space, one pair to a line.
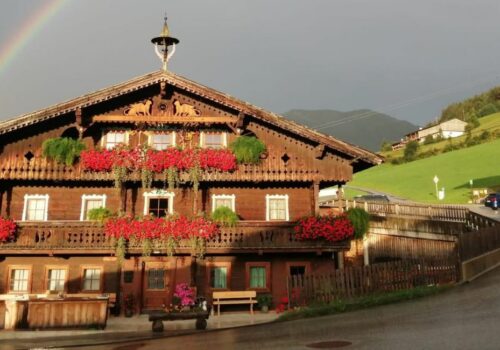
162,119
319,151
240,122
78,115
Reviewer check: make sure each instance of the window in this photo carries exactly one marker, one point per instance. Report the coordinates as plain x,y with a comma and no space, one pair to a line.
156,278
258,276
19,279
277,207
162,141
223,200
92,279
297,269
35,207
91,201
114,138
213,140
219,275
56,279
158,203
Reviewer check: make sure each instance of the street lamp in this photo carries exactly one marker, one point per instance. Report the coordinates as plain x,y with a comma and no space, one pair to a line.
436,180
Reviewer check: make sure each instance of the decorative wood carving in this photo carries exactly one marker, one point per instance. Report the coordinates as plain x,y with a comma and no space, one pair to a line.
143,108
319,151
240,123
185,110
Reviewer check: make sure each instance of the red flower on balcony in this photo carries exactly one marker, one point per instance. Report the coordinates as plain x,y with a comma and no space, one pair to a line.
329,228
7,229
158,161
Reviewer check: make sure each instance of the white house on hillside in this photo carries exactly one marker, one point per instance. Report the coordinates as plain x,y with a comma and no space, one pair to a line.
448,129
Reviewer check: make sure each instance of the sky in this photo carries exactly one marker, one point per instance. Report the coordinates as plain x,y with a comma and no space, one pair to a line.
406,58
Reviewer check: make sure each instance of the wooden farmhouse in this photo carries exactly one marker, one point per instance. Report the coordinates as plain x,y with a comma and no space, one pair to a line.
57,249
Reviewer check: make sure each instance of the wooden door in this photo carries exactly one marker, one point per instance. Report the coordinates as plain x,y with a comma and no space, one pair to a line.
156,286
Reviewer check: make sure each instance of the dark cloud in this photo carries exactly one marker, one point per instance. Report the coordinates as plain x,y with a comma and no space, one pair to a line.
409,59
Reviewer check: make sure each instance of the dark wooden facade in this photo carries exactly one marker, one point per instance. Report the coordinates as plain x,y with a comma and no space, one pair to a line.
299,162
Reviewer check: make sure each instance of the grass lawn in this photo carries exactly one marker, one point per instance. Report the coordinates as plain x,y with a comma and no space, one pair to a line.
413,180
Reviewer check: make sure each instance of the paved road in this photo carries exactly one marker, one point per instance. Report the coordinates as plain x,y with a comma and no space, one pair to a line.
466,317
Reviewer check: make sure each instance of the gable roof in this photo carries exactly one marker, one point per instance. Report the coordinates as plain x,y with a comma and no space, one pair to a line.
182,83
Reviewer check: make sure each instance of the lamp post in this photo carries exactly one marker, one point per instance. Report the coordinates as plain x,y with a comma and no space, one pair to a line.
436,180
471,182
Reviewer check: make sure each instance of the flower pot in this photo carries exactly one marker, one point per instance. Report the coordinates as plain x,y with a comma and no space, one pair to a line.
264,309
129,312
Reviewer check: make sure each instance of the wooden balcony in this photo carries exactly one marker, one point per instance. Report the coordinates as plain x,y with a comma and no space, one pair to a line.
84,238
271,169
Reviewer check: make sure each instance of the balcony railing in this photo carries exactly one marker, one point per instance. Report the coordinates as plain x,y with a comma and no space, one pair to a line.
83,237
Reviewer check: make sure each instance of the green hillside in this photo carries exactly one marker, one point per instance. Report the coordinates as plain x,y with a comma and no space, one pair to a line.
490,123
413,180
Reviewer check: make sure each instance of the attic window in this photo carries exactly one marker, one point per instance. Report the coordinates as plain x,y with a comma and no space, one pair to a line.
213,140
115,138
29,156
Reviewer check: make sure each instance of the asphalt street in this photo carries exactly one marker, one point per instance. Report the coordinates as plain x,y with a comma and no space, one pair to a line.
465,317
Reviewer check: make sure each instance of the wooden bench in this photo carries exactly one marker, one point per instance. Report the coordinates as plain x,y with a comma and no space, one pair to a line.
234,298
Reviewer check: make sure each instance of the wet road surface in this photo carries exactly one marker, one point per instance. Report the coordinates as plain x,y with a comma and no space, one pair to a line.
466,317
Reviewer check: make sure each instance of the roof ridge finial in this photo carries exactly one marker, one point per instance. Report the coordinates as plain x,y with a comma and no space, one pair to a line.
164,40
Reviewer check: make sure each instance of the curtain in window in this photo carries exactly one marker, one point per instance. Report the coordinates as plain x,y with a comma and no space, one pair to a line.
257,277
219,277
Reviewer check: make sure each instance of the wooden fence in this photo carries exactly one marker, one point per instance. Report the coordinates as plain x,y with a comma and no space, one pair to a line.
355,282
476,243
433,212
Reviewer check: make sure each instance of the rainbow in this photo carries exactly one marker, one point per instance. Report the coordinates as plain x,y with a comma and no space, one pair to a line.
29,28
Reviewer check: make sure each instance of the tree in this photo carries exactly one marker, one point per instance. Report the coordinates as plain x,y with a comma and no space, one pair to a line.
410,151
386,146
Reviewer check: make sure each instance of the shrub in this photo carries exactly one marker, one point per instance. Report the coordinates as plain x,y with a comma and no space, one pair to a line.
410,151
247,149
62,149
99,214
428,140
488,109
225,216
360,219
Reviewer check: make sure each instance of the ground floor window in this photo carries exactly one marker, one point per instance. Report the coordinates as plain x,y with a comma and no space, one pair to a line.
156,278
219,275
258,275
297,270
92,278
19,279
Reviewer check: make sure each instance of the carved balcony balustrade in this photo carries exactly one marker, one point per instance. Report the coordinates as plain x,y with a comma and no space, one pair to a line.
83,237
273,168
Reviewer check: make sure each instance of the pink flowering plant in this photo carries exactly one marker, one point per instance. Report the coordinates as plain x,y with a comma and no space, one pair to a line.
183,295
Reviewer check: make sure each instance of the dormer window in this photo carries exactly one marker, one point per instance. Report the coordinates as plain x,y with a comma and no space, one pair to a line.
115,138
161,141
214,140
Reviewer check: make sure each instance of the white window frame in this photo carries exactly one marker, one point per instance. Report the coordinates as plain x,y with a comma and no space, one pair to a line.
277,196
159,194
202,138
104,138
232,197
85,197
151,134
27,197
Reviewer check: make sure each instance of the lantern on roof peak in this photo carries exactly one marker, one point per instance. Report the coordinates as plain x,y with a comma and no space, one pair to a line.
162,43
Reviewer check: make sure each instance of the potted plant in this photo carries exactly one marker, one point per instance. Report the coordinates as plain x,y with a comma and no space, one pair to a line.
225,216
264,301
129,305
248,149
63,150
